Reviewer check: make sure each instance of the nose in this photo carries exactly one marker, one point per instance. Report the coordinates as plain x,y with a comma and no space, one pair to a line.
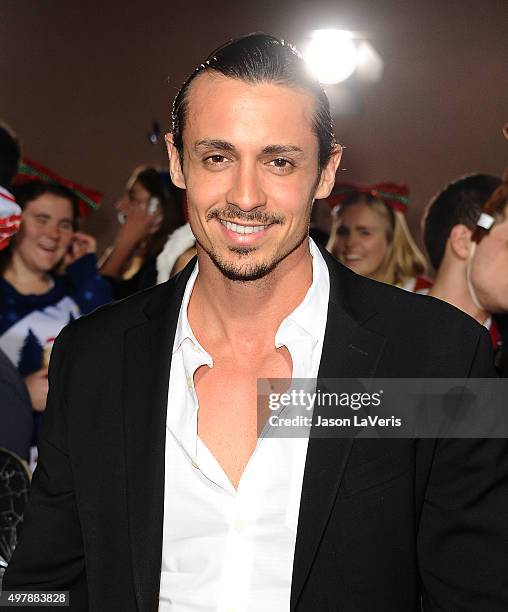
246,191
121,204
349,241
52,231
344,242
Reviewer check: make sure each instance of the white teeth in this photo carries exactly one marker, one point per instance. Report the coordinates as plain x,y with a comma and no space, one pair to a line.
353,257
243,229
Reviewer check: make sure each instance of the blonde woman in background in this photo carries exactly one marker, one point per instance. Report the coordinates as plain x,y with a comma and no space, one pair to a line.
371,237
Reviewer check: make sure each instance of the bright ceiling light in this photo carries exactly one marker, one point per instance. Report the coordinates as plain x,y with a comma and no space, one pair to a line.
331,55
369,65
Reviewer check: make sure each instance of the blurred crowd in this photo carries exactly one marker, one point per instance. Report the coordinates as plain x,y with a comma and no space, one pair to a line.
50,273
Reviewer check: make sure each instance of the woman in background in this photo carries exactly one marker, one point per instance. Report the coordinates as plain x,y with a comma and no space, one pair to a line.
370,236
48,278
148,212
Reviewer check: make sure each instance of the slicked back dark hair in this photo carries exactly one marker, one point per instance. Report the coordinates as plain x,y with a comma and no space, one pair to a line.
261,58
460,202
9,155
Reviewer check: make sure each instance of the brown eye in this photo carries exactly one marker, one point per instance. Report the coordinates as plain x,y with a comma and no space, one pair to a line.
281,165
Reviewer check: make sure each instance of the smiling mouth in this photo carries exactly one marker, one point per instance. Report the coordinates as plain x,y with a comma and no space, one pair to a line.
243,229
48,249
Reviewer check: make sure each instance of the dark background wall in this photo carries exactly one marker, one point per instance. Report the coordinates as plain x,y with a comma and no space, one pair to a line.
81,83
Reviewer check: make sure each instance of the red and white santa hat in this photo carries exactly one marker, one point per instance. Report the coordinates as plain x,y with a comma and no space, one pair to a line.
10,217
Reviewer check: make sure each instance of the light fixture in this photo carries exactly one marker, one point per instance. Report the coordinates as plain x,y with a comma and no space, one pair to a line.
369,65
331,55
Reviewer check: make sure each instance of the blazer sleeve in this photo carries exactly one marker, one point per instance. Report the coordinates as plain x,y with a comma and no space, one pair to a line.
463,531
50,555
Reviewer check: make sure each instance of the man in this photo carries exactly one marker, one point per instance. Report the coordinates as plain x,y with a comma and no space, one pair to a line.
465,230
152,489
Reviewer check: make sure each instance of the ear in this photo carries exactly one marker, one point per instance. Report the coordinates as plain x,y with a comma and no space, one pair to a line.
460,241
175,167
327,178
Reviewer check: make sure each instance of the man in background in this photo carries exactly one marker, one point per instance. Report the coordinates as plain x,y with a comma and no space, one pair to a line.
465,230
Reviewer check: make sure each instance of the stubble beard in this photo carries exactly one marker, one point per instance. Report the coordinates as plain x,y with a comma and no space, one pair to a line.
249,271
243,273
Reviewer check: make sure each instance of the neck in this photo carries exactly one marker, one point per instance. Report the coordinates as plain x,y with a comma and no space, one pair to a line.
25,279
451,286
246,316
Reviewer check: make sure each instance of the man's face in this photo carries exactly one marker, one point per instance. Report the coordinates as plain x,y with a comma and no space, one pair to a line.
251,172
489,269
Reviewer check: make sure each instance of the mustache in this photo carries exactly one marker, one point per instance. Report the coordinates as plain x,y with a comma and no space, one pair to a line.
233,213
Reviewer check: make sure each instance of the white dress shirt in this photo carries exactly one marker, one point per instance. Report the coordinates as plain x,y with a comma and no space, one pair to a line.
226,549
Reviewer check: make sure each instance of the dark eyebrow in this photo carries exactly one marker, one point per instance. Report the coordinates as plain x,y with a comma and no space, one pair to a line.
213,143
224,145
281,149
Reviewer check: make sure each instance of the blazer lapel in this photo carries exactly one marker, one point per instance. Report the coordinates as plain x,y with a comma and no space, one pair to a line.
148,348
349,351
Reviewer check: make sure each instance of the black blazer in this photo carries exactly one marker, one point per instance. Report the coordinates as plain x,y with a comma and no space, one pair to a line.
383,523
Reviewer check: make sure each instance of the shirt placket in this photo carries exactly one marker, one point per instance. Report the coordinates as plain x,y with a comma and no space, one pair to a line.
235,590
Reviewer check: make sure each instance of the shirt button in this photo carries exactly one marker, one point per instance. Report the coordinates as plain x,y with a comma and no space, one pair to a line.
196,348
189,382
239,526
195,465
